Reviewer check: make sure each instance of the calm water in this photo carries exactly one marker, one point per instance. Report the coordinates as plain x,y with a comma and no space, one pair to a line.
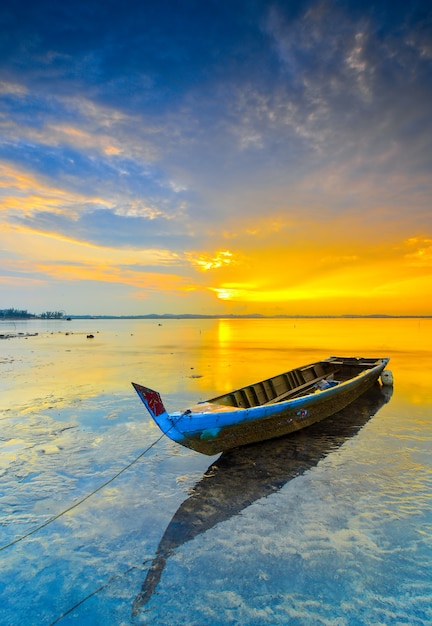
332,526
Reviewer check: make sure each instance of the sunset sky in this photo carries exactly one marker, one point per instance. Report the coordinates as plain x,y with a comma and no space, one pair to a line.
216,157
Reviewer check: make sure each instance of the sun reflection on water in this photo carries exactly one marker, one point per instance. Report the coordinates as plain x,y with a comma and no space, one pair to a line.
195,359
70,419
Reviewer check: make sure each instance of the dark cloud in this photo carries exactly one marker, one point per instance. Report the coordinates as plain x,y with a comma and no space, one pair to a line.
146,51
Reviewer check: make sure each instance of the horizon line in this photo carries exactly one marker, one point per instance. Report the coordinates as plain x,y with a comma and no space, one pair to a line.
69,317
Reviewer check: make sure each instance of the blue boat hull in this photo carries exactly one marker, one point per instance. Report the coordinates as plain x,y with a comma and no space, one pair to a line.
217,425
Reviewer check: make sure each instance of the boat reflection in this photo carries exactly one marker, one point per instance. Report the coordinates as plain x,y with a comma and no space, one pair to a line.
243,475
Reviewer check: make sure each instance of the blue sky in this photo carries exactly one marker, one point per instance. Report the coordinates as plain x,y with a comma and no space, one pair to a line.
216,157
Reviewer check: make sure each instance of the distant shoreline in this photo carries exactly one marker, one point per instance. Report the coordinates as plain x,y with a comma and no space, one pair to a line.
169,316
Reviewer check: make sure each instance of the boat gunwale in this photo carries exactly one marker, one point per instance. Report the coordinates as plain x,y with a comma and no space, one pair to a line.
193,410
267,410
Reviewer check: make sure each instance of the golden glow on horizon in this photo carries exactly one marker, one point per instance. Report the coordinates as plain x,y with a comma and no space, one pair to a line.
275,264
389,282
321,282
225,294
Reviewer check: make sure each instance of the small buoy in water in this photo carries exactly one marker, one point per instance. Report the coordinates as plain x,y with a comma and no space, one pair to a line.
90,336
387,378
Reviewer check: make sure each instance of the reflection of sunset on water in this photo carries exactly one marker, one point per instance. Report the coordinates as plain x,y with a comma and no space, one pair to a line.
71,421
199,358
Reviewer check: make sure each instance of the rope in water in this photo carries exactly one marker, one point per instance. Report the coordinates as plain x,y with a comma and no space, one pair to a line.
89,495
94,593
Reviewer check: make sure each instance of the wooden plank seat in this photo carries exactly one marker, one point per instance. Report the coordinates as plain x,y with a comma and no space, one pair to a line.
294,392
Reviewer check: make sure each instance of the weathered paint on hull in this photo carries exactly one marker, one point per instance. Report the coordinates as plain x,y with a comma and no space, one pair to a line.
293,416
211,428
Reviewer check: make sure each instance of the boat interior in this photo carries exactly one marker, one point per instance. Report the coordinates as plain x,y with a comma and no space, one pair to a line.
295,383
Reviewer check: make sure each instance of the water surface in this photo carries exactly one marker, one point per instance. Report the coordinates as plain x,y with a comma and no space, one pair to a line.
330,527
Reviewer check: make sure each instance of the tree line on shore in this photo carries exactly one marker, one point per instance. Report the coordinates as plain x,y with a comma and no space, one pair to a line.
24,314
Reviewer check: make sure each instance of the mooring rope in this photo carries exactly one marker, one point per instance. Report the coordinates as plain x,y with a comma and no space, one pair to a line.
95,592
89,495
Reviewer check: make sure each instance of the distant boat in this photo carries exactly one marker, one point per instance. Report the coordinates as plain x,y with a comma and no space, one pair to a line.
240,477
270,408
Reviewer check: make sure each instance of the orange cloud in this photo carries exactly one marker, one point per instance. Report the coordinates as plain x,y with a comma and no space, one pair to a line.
89,140
206,262
38,246
27,194
113,274
330,278
421,256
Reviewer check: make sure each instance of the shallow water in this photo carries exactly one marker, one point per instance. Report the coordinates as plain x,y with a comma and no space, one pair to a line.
331,526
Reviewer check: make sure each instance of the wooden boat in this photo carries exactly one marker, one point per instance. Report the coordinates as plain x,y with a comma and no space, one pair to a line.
241,476
270,408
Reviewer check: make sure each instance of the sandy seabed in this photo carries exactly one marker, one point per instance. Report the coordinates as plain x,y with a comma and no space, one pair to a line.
330,526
